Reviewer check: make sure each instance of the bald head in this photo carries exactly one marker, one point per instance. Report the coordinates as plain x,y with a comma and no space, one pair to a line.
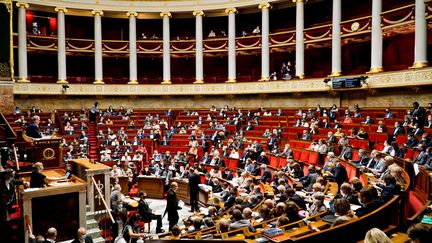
51,233
82,232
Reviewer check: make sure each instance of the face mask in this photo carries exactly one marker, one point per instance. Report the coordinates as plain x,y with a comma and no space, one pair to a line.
120,206
82,237
136,224
360,201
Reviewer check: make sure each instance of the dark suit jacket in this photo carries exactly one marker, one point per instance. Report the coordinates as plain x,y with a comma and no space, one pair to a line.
340,174
194,181
172,207
389,191
33,131
256,171
266,176
263,160
88,239
144,210
421,158
365,209
346,153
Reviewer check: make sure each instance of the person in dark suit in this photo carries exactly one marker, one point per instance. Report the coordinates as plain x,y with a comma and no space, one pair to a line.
368,203
146,212
256,171
390,189
82,236
194,181
230,201
267,176
340,174
172,206
93,111
346,152
418,114
346,192
422,157
33,130
263,159
363,158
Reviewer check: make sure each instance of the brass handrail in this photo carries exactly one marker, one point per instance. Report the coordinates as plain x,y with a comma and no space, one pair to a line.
103,200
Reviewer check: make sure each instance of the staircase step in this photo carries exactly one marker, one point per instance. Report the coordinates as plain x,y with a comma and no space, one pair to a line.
91,223
98,240
94,233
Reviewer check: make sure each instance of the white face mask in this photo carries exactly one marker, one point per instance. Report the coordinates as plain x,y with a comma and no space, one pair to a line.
82,237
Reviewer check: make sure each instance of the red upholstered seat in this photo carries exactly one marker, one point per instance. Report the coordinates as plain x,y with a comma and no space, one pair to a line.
274,161
304,157
414,203
313,157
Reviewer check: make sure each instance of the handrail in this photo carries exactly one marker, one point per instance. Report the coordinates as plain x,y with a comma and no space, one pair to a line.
8,125
103,200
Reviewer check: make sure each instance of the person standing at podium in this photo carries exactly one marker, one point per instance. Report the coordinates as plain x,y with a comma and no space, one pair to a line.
194,181
33,130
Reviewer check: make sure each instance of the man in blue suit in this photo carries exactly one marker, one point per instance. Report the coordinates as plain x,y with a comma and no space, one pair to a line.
33,130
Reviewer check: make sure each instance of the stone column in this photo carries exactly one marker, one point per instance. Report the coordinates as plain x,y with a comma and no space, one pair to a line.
376,38
232,73
133,77
166,48
98,46
299,38
420,46
265,46
22,43
61,46
199,61
336,39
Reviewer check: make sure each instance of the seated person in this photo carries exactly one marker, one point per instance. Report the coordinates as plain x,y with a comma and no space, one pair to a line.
238,221
368,202
390,189
37,179
147,214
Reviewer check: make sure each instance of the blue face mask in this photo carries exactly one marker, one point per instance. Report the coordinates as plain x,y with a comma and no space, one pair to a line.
362,204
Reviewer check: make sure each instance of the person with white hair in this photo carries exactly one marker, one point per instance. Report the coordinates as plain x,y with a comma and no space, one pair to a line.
33,130
116,195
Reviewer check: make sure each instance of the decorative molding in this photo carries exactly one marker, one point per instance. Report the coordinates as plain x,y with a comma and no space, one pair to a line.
165,14
131,13
198,13
410,77
231,10
264,5
61,9
97,12
20,4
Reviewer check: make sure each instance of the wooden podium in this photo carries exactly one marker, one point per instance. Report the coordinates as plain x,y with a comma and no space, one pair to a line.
85,170
61,205
46,150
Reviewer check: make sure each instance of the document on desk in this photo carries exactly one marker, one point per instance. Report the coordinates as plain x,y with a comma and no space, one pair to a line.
416,169
181,203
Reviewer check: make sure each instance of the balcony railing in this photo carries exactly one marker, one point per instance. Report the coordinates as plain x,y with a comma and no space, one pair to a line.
352,28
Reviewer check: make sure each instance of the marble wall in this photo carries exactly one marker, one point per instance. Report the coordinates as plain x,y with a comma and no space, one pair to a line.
6,97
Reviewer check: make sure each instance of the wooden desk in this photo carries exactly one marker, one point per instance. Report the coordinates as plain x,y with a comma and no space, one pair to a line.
295,232
85,170
183,190
123,181
153,186
62,205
